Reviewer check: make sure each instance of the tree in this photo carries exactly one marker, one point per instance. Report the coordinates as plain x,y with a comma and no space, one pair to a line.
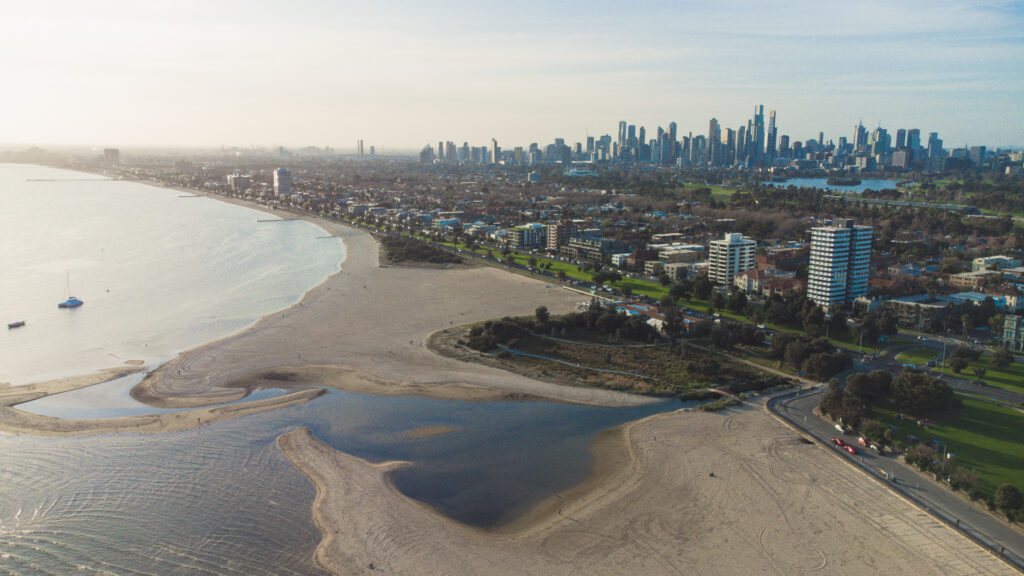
738,301
627,291
957,364
702,288
967,323
1008,498
920,394
542,314
532,261
979,371
663,279
717,300
1002,358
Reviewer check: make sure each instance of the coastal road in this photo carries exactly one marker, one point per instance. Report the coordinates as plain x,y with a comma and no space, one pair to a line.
941,502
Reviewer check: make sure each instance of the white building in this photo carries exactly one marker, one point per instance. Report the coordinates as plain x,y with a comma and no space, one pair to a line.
994,263
282,182
840,257
729,256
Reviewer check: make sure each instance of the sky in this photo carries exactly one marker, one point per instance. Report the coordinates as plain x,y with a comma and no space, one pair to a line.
402,74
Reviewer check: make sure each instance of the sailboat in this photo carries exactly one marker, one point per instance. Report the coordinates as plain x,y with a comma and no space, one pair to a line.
71,302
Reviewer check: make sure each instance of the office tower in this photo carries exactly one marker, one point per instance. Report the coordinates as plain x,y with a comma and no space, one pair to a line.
729,256
840,257
741,145
631,136
495,151
373,151
714,142
282,182
622,133
590,147
880,141
784,146
860,137
359,148
758,136
901,138
976,155
772,135
913,138
673,141
730,145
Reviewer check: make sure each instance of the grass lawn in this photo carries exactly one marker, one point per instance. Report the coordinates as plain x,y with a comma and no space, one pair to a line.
921,356
1009,378
986,438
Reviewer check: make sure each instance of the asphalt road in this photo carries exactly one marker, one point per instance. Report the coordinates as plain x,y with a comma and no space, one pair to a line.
941,502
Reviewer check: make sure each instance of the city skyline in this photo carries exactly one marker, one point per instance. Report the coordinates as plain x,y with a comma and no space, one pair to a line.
398,75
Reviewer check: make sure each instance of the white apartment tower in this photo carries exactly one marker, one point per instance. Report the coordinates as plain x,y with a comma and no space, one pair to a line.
282,182
729,256
840,256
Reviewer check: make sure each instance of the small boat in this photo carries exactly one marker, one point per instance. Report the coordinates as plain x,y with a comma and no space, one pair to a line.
17,324
71,302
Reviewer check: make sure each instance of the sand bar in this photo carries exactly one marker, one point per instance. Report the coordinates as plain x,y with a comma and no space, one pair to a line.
14,421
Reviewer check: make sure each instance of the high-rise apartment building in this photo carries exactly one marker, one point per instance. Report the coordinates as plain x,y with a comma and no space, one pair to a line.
729,256
282,182
840,257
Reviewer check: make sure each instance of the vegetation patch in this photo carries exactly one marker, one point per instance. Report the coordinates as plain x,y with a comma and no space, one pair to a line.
404,250
601,348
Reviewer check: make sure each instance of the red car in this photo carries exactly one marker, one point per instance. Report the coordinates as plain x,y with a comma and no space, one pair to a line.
850,449
838,442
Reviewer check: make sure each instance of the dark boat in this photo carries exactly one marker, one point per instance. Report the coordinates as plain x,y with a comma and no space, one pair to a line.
17,324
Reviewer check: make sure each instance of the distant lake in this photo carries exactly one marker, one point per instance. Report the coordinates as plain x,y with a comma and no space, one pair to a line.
822,183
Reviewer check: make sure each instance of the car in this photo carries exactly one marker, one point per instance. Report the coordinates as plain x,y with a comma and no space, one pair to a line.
862,441
840,429
838,442
850,449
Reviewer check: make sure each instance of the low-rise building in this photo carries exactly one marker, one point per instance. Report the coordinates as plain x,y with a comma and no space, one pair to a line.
994,263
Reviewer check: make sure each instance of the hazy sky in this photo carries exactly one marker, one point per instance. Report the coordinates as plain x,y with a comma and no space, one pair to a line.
402,74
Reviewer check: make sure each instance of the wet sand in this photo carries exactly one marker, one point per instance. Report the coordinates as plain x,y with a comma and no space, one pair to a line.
15,421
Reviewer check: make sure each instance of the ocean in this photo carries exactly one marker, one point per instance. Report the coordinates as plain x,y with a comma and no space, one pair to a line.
159,273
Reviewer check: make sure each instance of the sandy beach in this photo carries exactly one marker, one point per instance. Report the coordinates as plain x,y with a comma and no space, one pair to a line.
364,329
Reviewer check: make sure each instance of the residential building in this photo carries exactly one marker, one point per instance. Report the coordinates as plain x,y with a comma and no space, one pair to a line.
840,258
282,182
729,256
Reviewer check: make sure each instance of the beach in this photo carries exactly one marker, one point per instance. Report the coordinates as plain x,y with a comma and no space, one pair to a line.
677,493
681,492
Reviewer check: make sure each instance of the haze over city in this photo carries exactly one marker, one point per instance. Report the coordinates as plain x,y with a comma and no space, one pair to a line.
399,75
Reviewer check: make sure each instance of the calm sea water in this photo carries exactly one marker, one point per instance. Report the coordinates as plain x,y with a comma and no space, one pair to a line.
865,184
222,499
158,273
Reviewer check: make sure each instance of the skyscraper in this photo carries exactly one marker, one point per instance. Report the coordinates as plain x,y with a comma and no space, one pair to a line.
840,257
758,136
282,182
770,148
729,256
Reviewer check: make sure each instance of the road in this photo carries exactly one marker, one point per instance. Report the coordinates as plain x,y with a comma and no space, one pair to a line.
941,502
